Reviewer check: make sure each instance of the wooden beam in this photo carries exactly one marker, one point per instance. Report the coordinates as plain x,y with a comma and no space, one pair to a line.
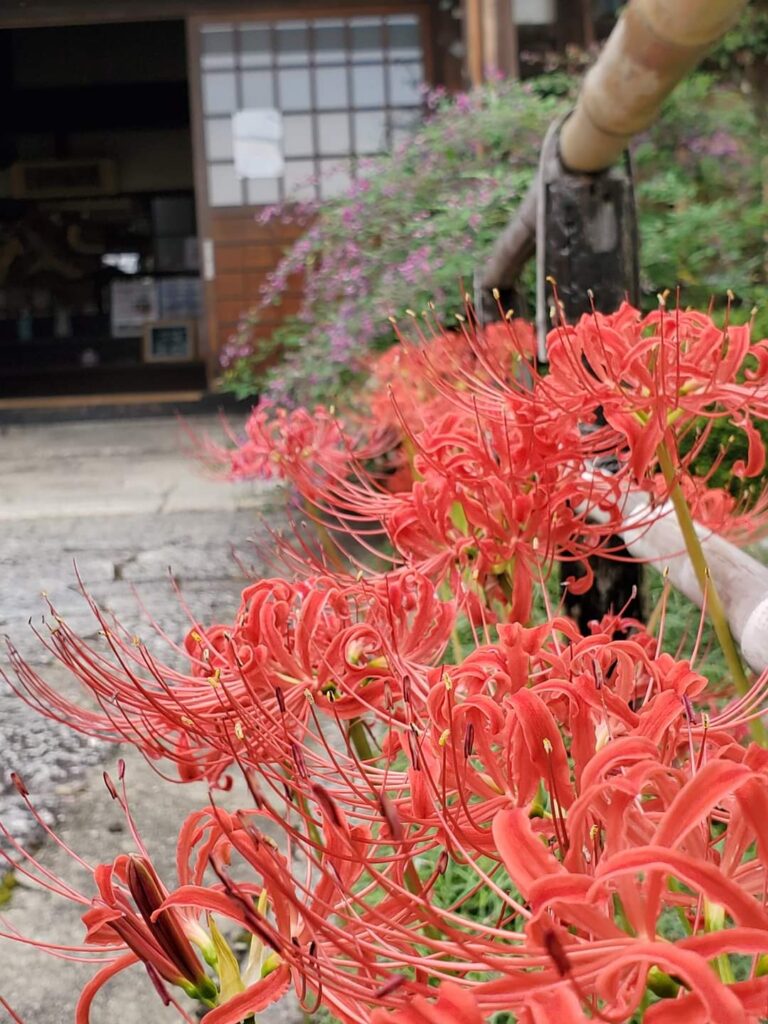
41,13
90,401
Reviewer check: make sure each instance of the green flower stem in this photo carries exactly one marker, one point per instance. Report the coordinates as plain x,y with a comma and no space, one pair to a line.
714,921
312,829
458,653
329,548
414,886
714,604
358,737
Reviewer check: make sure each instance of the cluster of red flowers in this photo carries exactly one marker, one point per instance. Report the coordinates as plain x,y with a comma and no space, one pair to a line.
471,465
474,814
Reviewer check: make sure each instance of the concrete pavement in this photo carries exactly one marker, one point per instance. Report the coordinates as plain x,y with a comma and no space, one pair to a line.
123,502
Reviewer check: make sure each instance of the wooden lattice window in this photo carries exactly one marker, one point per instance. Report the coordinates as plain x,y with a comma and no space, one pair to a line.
345,88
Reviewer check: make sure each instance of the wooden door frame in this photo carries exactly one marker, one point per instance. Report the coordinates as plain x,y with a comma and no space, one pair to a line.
202,207
425,9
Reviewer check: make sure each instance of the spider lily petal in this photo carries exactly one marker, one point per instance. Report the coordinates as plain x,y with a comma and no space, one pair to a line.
255,998
453,1004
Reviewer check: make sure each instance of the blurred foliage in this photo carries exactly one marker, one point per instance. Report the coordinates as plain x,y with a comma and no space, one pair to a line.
745,46
8,883
409,232
416,224
700,197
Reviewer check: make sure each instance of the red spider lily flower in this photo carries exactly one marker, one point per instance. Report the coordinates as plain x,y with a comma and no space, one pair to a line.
497,491
662,858
401,391
651,373
659,378
341,647
559,1004
298,444
473,752
494,504
573,952
454,1004
129,911
302,445
568,776
133,919
615,833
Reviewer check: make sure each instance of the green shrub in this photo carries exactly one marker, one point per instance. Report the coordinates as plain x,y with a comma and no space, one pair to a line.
699,193
417,223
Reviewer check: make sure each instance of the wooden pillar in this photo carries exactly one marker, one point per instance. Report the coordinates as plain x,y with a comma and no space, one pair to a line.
491,39
473,36
588,23
569,24
446,27
507,46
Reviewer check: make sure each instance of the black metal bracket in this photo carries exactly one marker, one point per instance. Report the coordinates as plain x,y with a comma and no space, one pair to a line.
586,242
586,239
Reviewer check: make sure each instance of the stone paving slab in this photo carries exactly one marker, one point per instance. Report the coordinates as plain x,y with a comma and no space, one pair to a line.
43,990
123,502
114,468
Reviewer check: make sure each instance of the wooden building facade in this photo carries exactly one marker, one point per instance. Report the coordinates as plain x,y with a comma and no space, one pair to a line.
140,141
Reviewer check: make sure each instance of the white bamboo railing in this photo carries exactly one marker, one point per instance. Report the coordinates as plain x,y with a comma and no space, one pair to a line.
740,579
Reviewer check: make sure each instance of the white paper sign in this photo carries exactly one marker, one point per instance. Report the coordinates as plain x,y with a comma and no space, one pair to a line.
133,303
258,137
534,12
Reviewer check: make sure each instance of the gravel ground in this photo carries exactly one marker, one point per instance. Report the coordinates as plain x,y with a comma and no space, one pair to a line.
123,503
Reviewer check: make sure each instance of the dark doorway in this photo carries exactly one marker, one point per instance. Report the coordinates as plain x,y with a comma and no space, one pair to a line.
97,214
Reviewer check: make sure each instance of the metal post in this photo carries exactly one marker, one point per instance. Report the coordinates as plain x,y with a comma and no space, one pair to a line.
579,216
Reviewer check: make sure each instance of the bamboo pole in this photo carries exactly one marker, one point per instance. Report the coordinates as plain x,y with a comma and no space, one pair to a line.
654,44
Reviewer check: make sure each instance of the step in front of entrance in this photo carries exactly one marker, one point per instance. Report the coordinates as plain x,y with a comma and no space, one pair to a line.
131,405
54,381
